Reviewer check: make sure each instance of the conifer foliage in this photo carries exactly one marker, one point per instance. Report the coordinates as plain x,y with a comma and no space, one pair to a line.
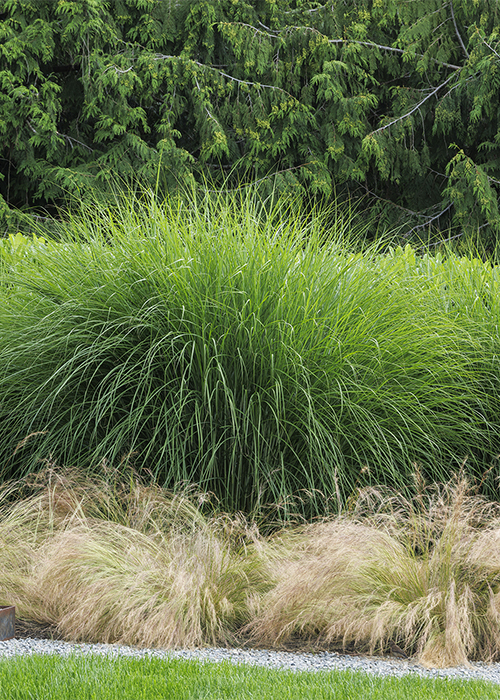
394,98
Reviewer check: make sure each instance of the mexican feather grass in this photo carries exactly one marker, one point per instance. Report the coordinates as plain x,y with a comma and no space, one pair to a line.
423,573
108,560
128,563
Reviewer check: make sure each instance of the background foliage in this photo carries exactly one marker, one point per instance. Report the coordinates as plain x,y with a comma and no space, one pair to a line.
394,99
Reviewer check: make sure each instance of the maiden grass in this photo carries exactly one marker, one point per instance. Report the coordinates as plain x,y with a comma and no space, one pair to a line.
251,355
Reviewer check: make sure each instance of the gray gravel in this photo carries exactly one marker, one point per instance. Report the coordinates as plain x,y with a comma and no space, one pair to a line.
321,661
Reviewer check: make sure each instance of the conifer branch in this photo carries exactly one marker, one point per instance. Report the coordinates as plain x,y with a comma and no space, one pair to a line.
160,57
275,35
391,48
414,109
57,90
456,30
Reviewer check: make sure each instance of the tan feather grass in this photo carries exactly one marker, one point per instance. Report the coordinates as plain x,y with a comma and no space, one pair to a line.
121,561
113,562
423,573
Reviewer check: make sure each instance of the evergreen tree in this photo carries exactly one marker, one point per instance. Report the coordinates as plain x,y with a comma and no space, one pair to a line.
395,99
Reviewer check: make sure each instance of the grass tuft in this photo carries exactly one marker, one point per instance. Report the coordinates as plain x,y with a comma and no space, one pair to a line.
128,563
111,561
243,348
423,573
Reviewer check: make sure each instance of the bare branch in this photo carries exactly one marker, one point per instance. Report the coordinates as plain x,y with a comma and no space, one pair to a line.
429,220
118,70
273,34
315,9
491,48
209,114
41,218
268,28
392,204
70,139
244,82
492,179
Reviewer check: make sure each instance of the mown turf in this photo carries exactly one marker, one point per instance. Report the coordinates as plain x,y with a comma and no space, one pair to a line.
95,678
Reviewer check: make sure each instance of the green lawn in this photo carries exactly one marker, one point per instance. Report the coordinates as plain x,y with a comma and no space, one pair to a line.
81,677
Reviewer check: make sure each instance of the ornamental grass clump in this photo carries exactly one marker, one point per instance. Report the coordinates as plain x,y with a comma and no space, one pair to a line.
422,573
109,562
249,353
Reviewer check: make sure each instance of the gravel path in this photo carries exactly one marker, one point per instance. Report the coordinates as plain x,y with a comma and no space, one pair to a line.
321,661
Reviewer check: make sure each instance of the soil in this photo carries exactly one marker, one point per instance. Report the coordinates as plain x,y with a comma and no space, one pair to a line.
36,630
